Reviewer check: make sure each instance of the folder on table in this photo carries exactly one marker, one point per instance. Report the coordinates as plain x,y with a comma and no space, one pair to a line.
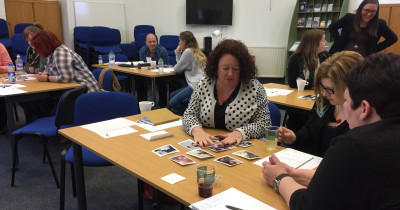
160,116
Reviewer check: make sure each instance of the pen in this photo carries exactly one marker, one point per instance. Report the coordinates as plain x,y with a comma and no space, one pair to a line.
232,207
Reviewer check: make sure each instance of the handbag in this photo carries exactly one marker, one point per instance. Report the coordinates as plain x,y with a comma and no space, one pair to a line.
115,86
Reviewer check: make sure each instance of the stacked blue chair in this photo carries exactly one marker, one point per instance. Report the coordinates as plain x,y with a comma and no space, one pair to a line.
90,108
47,127
101,41
170,42
81,42
19,46
19,28
4,35
129,50
139,34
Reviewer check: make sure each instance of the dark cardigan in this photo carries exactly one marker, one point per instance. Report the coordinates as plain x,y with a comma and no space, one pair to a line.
346,24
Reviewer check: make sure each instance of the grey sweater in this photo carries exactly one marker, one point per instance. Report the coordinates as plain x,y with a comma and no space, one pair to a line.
185,63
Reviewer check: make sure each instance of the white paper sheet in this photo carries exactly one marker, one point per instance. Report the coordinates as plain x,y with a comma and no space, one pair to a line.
293,158
10,90
165,70
232,197
156,135
173,178
277,92
153,128
111,128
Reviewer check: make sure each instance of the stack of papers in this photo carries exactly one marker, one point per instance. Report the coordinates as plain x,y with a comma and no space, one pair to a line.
111,128
277,92
10,89
231,197
295,159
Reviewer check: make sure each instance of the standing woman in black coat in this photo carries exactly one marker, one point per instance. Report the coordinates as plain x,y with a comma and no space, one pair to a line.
361,32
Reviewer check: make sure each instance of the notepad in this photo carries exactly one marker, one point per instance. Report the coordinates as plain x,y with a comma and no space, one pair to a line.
160,116
291,157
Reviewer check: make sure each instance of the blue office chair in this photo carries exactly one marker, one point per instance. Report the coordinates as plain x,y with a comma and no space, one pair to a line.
118,57
143,29
169,42
90,108
107,82
47,127
81,42
101,41
140,41
19,28
275,114
129,50
172,60
19,46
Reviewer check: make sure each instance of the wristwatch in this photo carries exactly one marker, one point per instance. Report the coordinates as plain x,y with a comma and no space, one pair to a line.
48,79
277,180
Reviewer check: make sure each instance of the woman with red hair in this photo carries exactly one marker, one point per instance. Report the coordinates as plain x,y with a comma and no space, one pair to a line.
63,64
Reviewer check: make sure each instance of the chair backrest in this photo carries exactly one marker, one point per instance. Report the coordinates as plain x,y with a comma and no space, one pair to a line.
104,36
172,60
3,29
100,106
66,106
19,28
118,57
129,49
19,44
107,82
170,42
143,29
275,114
81,34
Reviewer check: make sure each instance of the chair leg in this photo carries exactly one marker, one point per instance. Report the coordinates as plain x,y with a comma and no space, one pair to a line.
15,112
73,179
51,163
140,187
14,145
62,178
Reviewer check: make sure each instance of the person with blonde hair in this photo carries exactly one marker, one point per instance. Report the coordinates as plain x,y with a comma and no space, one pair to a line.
327,119
190,61
302,65
34,63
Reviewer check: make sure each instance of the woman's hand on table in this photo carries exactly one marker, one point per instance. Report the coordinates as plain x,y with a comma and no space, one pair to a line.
202,138
286,136
234,137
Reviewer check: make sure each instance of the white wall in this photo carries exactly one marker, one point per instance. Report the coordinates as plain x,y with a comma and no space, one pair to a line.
2,10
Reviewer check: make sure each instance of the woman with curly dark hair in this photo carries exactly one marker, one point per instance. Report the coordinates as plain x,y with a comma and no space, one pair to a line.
229,98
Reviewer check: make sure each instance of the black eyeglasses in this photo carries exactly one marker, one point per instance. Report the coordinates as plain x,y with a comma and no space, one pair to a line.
369,11
330,91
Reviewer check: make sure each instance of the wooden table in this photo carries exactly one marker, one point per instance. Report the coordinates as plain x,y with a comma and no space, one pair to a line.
134,154
35,90
143,72
291,102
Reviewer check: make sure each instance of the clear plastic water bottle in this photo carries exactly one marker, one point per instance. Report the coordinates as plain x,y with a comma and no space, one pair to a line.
160,66
100,59
19,64
111,58
11,73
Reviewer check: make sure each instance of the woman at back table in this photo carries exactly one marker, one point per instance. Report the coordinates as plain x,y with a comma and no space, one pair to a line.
362,31
327,118
302,65
229,97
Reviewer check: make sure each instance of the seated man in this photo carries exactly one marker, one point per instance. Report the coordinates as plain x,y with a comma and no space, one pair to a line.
154,51
361,168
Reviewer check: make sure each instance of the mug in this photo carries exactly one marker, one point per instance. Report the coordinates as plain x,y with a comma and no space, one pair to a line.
301,84
145,106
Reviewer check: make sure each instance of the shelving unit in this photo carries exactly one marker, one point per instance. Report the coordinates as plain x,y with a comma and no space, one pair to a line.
339,9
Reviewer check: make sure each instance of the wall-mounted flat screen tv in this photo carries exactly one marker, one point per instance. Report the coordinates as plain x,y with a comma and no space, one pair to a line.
209,12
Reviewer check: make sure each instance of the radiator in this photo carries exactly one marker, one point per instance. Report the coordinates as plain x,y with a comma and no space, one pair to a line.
270,61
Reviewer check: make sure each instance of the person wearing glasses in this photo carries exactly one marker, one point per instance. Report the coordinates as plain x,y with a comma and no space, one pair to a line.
362,31
327,118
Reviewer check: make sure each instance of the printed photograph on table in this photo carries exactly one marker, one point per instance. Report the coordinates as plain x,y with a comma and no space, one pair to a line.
308,97
220,147
189,144
165,150
245,144
247,154
182,160
199,153
228,160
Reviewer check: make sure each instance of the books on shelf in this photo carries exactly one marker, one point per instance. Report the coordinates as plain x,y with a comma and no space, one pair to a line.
308,22
302,6
315,22
330,8
324,7
310,8
301,22
317,8
322,24
328,22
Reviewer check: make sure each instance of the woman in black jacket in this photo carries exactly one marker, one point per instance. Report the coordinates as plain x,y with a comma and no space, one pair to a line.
361,32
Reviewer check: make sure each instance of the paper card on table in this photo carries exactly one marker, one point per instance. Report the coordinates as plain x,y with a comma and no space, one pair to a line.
182,160
10,91
220,147
110,126
173,178
156,135
189,144
230,197
245,144
308,97
153,128
148,59
247,154
165,70
160,116
199,153
118,132
165,150
292,157
228,160
277,92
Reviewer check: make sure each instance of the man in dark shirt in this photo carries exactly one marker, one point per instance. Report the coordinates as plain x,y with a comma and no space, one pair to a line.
361,168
